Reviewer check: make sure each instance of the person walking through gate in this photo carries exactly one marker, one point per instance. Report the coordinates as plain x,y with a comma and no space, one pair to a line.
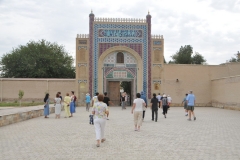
106,100
137,109
99,111
144,107
169,101
123,101
164,105
88,99
154,107
190,105
159,97
95,99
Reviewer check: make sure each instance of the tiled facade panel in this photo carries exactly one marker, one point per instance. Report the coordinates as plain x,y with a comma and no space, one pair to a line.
100,44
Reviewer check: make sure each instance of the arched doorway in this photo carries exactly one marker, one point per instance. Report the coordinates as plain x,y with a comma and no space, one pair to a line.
107,63
119,68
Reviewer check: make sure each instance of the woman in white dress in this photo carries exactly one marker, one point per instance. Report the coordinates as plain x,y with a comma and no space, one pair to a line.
58,106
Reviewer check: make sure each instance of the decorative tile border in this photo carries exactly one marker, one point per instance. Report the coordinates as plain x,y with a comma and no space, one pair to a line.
136,47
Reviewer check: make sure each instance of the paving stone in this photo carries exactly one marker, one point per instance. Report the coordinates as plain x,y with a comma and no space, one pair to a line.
214,135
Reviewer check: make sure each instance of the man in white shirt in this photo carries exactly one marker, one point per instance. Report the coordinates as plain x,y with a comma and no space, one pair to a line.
95,99
159,98
137,107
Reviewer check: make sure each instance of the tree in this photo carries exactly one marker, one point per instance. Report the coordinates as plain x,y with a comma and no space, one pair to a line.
185,56
126,86
198,59
20,96
236,58
40,59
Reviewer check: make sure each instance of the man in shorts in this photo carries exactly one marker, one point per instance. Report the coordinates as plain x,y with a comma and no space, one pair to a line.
190,105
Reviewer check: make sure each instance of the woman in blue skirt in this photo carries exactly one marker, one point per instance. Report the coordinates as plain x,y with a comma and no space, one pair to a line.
72,107
46,106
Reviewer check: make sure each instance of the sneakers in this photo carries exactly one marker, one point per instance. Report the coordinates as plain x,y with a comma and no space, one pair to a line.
107,119
194,118
189,119
186,114
165,116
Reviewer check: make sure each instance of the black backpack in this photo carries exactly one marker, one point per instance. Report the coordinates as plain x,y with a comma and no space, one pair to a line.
164,101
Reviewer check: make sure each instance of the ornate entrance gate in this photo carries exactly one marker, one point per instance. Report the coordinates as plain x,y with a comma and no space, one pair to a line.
119,66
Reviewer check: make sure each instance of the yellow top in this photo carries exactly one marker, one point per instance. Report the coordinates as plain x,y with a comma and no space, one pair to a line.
67,100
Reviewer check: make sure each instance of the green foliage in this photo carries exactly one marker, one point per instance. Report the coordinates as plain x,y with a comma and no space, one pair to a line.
185,56
126,86
236,58
40,59
20,94
198,58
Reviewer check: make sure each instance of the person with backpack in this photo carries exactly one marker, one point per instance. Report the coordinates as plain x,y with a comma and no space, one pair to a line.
154,106
164,105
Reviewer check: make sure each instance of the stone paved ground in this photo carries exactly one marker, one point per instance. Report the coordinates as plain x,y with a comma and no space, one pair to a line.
214,135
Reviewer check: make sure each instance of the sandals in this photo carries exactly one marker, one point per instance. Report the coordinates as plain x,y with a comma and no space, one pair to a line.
98,145
104,139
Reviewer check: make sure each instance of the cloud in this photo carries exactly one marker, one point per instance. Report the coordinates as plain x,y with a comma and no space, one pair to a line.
210,27
229,5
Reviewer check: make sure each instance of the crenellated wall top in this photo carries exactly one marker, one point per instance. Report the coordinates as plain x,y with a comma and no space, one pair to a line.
157,36
82,36
132,20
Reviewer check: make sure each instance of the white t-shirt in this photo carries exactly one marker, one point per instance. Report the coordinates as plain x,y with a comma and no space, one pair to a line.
139,104
95,99
159,98
57,100
169,99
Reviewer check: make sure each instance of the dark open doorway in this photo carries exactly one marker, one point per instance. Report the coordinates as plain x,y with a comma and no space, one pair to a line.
127,87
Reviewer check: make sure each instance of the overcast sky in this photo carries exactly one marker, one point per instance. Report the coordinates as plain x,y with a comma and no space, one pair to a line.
211,27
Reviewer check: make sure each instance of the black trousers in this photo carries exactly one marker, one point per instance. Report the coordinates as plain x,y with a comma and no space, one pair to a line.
143,114
156,114
165,108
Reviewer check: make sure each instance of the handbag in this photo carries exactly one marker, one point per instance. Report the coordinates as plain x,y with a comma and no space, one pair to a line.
44,106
